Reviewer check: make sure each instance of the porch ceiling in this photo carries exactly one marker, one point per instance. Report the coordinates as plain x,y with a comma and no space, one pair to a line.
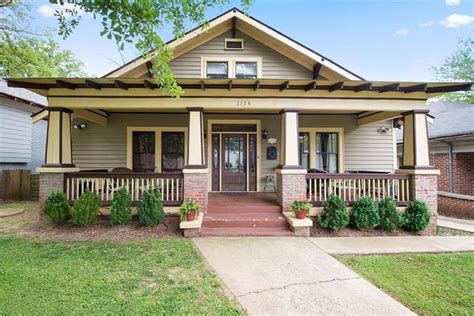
250,88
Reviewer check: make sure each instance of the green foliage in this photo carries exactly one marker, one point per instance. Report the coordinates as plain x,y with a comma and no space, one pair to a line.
459,67
150,209
298,205
364,214
416,216
139,22
188,207
334,215
121,209
85,209
57,209
390,217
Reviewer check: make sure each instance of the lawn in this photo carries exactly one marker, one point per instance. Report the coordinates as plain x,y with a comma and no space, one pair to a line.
429,284
165,276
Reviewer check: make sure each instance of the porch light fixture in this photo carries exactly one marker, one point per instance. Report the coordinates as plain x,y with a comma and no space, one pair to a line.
265,134
384,129
79,126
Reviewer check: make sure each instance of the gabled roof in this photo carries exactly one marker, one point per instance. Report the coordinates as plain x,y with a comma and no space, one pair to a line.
236,19
22,96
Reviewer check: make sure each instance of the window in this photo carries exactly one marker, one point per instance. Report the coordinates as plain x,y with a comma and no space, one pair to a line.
303,140
327,152
246,70
143,151
234,43
217,69
172,152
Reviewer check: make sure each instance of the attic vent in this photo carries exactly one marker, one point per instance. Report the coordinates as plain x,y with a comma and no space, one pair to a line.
234,43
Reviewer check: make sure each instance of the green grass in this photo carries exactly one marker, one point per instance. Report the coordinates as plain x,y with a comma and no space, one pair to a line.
429,284
165,276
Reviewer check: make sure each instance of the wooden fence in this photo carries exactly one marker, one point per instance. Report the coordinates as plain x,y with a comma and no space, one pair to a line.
17,185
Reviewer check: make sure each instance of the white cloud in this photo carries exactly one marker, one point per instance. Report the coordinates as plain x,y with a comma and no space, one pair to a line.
426,24
402,32
457,20
48,10
453,3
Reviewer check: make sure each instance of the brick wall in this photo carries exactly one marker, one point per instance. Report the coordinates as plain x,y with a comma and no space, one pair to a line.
48,183
195,188
455,207
289,188
463,172
425,188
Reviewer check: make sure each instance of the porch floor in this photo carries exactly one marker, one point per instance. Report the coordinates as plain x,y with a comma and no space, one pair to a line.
244,214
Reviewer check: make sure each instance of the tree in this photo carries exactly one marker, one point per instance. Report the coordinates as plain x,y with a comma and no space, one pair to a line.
138,22
459,67
28,53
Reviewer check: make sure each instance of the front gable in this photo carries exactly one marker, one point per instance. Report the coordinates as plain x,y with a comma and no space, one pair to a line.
281,57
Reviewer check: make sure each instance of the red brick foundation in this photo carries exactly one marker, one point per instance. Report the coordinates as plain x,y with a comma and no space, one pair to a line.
195,188
48,183
289,188
425,188
456,206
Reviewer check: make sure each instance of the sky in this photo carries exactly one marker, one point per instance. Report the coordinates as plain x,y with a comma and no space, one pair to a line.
377,39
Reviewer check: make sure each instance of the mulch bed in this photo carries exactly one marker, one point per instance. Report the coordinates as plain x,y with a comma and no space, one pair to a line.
102,230
318,231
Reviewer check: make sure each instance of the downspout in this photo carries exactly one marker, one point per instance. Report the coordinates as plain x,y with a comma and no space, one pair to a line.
450,167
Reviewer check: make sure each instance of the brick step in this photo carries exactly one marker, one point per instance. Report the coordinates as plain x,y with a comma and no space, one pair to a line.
255,220
236,232
213,208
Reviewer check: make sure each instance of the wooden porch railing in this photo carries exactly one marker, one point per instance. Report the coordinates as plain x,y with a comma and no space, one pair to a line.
352,186
105,184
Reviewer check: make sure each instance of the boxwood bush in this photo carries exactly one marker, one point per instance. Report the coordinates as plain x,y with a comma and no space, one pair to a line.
121,208
416,216
150,209
390,217
364,214
85,209
334,215
57,209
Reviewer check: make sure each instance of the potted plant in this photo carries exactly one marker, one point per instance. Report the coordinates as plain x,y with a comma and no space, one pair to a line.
301,208
189,210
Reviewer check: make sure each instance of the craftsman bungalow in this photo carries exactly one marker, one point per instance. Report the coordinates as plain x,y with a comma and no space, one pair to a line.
260,113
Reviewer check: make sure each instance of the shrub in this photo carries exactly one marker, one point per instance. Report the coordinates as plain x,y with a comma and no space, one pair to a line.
417,216
364,214
121,209
85,209
57,209
334,215
150,209
390,217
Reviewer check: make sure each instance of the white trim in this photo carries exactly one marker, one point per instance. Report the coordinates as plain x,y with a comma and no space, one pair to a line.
158,131
226,40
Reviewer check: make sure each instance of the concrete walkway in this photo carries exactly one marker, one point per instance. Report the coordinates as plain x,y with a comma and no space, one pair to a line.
456,223
393,245
292,276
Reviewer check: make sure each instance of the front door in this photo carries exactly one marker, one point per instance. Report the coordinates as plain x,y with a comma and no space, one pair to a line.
234,162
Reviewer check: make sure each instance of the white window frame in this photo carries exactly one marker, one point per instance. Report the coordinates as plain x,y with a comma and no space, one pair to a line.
241,40
230,64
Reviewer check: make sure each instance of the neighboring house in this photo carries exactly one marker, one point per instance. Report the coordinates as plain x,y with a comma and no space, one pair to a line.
257,108
451,141
22,143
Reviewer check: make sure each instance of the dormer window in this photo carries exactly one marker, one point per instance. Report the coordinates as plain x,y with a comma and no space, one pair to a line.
217,69
234,43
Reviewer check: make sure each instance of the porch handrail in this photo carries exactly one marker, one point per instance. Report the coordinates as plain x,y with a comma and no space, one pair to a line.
105,184
353,186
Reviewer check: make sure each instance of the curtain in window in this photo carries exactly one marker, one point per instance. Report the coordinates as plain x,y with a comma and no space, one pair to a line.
327,151
172,155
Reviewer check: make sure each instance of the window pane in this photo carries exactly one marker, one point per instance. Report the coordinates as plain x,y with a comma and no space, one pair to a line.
327,152
217,70
304,150
172,151
246,70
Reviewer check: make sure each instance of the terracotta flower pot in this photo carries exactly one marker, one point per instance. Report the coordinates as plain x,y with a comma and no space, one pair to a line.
191,216
301,214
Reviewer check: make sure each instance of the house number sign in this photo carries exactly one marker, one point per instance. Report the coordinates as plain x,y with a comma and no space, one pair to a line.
243,103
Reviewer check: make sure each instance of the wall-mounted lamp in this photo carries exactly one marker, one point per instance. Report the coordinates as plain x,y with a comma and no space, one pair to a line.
79,126
265,134
384,129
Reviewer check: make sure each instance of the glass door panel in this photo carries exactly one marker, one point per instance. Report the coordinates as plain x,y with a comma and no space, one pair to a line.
234,162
